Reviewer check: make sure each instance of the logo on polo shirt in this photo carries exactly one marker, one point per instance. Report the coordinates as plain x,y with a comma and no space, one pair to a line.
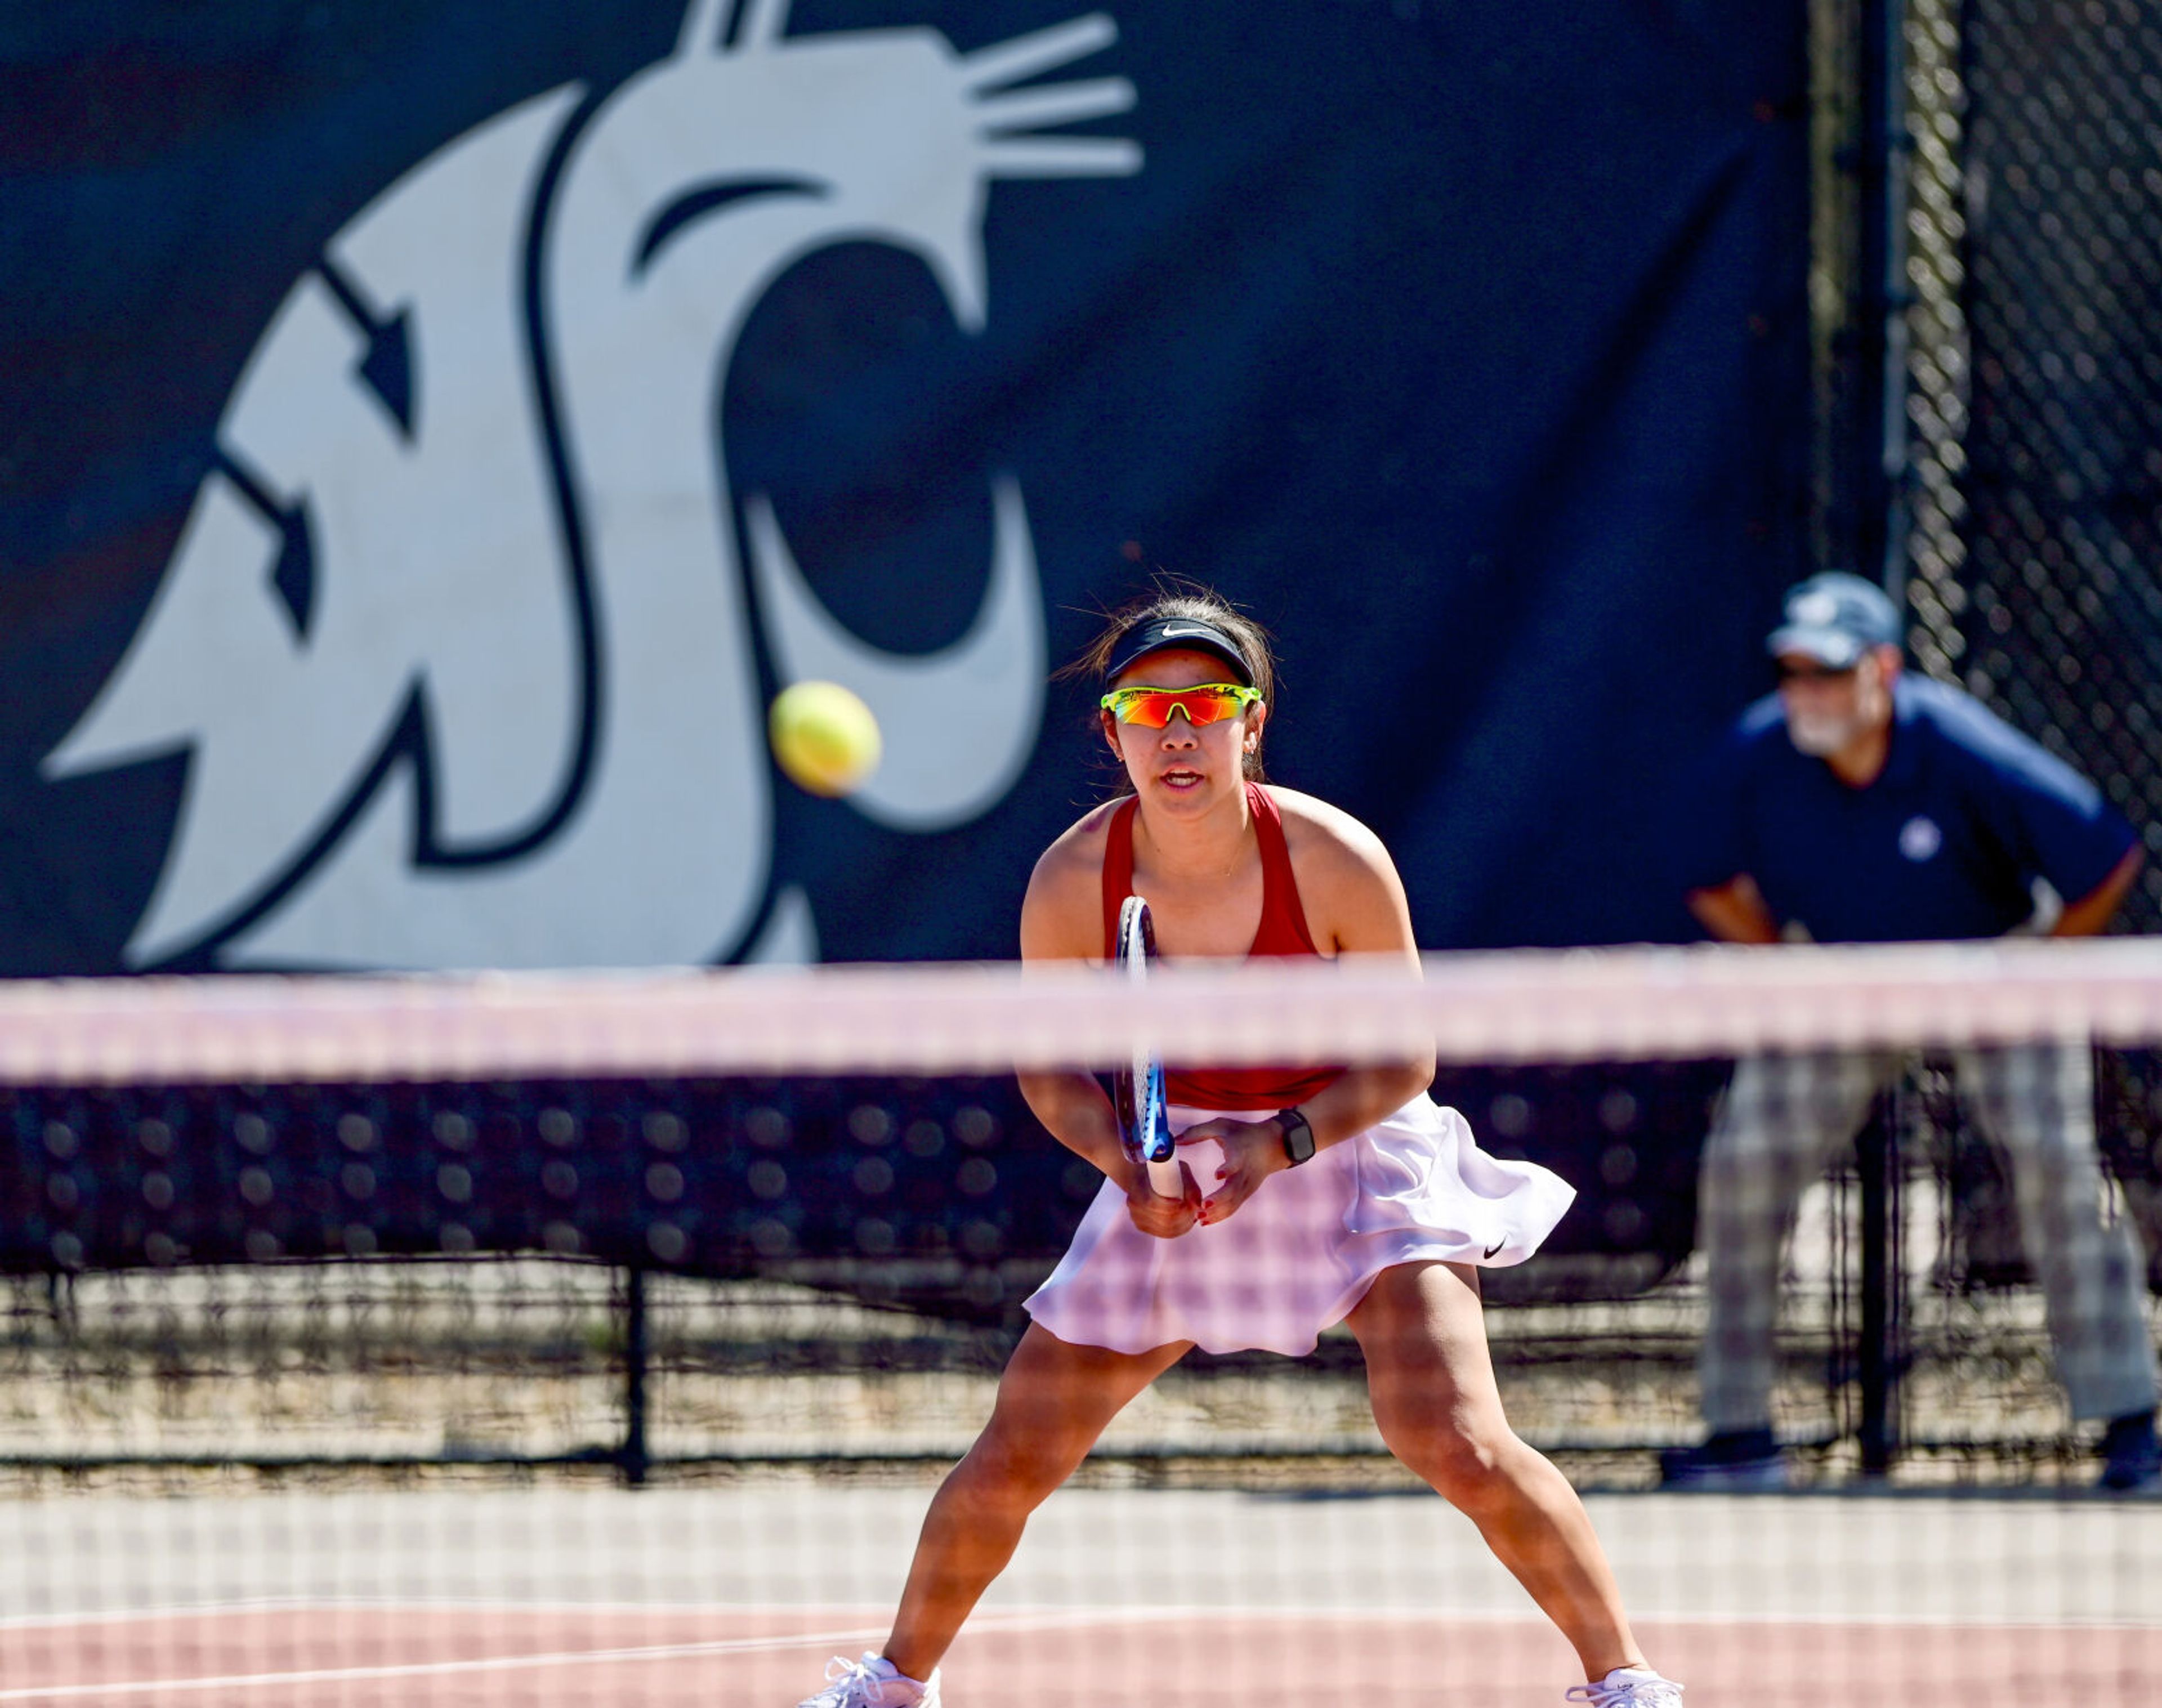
1919,838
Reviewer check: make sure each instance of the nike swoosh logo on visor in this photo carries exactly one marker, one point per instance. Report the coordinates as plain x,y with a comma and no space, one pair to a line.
1495,1246
1167,633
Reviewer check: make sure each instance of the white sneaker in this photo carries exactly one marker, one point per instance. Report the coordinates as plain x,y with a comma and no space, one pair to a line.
1628,1687
875,1682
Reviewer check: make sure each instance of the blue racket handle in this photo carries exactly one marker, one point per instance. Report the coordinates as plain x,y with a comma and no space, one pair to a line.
1148,1138
1153,1138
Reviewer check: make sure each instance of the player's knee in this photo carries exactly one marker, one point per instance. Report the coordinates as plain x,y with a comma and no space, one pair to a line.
1459,1461
1008,1466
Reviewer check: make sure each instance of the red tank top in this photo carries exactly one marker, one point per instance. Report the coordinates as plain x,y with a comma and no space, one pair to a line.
1283,931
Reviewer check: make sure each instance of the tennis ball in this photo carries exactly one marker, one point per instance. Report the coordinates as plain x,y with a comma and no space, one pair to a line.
824,737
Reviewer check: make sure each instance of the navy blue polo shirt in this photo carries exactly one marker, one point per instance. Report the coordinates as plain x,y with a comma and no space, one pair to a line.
1946,843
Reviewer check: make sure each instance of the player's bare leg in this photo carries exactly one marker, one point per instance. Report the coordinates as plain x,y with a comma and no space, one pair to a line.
1440,1413
1054,1400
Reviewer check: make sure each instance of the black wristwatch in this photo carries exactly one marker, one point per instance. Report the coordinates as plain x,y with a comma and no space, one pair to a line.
1299,1136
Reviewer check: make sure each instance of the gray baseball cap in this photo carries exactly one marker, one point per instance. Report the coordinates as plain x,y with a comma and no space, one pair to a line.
1835,617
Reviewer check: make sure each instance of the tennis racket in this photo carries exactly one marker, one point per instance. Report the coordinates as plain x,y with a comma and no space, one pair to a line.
1137,1087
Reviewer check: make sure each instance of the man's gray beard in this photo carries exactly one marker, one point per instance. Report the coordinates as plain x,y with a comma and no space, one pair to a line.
1821,737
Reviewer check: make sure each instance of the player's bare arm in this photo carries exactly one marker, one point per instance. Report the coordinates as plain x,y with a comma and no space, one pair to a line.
1062,920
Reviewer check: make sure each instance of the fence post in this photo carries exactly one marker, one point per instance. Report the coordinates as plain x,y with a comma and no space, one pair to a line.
631,1460
1877,1158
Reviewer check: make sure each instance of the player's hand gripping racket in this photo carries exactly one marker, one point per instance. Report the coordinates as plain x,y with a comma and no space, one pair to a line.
1137,1087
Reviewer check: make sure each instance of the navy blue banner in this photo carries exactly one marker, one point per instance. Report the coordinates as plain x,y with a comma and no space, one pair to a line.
433,432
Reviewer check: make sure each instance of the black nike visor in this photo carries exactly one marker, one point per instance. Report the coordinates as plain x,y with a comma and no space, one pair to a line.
1163,634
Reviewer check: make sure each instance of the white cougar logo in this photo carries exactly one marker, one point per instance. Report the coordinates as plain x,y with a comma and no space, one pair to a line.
457,635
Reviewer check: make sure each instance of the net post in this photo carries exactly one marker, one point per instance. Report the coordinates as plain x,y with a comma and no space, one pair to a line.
1876,1157
631,1461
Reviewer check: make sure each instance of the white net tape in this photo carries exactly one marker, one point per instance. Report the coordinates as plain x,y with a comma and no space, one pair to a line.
1580,1005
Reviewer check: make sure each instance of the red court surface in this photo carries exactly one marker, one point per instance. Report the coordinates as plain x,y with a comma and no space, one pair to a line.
356,1656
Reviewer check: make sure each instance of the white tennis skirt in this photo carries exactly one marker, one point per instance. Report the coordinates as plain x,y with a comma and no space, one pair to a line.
1301,1251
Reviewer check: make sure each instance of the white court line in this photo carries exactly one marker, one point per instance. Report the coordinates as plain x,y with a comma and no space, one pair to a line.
569,1657
1045,1620
422,1669
406,1604
1025,1613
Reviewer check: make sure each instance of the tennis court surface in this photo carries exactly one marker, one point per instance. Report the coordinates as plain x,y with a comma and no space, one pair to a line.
728,1595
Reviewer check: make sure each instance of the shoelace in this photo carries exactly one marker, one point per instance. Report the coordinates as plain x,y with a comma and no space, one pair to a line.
1647,1693
842,1671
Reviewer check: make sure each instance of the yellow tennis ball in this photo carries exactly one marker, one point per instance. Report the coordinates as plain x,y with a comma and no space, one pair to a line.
824,737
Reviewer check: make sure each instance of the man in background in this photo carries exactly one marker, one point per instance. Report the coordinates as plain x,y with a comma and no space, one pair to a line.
1861,805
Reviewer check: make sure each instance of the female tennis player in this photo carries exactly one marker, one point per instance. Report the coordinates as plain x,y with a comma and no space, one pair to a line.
1315,1195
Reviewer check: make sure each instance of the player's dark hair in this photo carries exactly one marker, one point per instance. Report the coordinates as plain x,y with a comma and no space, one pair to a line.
1176,598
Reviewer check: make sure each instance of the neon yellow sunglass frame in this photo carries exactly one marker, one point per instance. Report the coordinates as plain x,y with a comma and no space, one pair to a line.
1205,702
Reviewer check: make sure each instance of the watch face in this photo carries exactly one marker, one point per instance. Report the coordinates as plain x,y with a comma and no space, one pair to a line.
1298,1136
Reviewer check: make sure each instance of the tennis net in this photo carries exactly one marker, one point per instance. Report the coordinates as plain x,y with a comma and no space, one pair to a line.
602,1337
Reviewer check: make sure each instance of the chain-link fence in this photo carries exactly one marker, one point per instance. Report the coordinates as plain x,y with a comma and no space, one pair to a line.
2002,310
2034,378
